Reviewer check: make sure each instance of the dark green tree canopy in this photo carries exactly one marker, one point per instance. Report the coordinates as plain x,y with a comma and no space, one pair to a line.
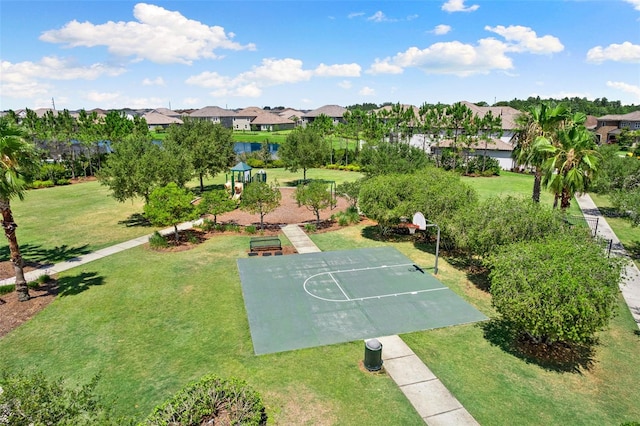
315,196
260,198
170,205
562,288
138,166
206,146
304,148
386,158
216,202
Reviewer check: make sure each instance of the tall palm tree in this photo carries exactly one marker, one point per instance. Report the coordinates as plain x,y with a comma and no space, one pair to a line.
572,161
16,156
541,121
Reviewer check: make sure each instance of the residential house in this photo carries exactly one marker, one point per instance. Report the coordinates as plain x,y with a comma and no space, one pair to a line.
335,112
158,121
498,146
219,115
262,120
610,126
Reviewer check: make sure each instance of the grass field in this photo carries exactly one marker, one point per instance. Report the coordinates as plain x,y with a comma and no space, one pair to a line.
149,322
59,223
628,235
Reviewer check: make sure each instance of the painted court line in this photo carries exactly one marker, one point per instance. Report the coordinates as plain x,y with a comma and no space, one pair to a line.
357,299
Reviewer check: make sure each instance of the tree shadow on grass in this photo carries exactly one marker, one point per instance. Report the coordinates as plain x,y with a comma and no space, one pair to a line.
136,219
558,357
71,286
633,249
39,255
208,188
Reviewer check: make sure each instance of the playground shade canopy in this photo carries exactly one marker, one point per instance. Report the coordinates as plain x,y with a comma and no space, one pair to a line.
316,299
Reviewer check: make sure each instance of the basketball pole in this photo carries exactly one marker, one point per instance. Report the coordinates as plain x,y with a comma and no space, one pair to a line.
431,224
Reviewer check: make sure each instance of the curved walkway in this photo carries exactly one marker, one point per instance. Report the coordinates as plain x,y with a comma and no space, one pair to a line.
630,287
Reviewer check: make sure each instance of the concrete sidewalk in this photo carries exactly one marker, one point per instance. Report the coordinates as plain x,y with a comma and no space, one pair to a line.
90,257
630,287
431,399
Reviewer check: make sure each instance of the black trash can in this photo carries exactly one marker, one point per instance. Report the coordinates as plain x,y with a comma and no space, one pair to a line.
373,355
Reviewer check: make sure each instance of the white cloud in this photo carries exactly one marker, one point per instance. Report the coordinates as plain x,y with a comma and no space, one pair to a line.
345,84
385,66
378,17
524,39
338,70
625,87
458,6
441,29
158,35
25,79
634,3
449,58
625,52
270,72
367,91
355,15
158,81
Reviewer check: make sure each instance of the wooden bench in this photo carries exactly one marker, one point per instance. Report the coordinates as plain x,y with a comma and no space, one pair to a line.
265,244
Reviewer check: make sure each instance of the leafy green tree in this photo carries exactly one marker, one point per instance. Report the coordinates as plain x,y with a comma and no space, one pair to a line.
170,205
572,161
350,191
216,202
137,166
560,289
387,158
489,127
460,130
35,400
434,192
539,122
17,160
315,197
207,146
485,227
260,198
304,148
627,202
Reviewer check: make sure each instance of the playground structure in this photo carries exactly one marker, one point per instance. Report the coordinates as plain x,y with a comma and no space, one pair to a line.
240,175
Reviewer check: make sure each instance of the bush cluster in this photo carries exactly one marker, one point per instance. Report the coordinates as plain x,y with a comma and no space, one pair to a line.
207,398
32,399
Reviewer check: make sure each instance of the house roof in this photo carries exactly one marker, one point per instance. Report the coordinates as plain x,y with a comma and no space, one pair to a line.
212,111
154,118
507,113
334,111
632,116
290,112
168,112
591,122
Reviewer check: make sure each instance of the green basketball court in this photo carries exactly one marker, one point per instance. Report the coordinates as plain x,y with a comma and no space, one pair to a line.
317,299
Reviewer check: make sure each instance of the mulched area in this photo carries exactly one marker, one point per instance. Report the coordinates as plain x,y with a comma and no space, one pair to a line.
13,313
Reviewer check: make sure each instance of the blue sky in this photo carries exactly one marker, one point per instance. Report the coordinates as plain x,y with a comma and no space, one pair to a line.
306,54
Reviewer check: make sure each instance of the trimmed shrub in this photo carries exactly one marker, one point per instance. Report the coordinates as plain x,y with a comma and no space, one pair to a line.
209,398
310,227
34,400
63,182
37,184
232,227
250,229
157,241
207,225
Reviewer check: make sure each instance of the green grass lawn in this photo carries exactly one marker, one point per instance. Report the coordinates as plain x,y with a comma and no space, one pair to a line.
59,223
500,387
514,184
150,322
628,235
